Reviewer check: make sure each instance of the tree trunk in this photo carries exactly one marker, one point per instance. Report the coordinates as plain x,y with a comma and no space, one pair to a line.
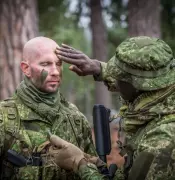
99,45
144,18
18,24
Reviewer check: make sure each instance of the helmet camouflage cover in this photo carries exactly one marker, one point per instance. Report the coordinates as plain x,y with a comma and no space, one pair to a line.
147,63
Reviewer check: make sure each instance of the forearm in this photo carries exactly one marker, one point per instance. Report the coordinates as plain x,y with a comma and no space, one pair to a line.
90,172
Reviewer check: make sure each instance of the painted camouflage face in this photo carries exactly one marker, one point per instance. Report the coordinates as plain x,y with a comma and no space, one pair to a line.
147,63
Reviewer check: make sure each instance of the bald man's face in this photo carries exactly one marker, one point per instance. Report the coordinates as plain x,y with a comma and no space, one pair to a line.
46,72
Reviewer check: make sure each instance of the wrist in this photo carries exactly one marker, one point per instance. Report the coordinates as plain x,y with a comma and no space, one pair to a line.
96,67
86,169
83,162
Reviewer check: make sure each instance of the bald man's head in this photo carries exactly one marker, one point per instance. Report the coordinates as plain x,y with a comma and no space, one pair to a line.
36,47
41,65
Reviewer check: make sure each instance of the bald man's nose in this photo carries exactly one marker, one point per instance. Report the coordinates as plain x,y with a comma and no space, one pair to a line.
55,71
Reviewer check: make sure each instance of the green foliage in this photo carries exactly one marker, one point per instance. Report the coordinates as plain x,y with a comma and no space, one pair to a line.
115,10
57,23
115,37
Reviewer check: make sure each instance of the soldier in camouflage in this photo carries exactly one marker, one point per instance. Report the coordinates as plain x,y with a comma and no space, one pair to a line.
37,107
143,71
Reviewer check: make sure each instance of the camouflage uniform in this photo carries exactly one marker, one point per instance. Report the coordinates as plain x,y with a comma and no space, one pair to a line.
149,121
24,122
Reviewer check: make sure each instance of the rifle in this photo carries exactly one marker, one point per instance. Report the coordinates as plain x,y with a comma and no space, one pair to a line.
103,147
102,137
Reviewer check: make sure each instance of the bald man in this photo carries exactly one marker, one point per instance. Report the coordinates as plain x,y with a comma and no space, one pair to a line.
37,107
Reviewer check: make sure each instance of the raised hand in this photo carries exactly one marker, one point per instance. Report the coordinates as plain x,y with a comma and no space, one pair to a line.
81,64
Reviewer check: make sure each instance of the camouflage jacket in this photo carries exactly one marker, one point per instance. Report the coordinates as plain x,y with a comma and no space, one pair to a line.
29,130
149,124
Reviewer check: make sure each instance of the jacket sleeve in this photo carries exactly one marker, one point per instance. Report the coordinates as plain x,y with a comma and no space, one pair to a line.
160,141
106,77
90,172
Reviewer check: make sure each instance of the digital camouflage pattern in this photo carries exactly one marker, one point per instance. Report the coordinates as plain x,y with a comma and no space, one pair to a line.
90,172
147,63
149,125
69,124
149,121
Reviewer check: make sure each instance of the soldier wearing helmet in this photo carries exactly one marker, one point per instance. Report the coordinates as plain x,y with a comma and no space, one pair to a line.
143,71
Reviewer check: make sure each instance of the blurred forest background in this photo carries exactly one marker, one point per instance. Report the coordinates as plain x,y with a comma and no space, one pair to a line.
95,27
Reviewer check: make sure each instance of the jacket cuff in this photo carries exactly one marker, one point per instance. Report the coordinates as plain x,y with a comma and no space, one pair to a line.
99,77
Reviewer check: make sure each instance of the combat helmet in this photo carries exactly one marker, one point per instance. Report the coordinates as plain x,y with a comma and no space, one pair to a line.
147,63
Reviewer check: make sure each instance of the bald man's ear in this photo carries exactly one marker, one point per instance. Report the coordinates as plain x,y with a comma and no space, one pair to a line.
25,68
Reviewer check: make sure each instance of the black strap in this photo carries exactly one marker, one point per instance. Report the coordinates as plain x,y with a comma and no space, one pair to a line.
20,161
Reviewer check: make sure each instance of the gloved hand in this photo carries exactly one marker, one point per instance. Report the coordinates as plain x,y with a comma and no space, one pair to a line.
65,154
94,160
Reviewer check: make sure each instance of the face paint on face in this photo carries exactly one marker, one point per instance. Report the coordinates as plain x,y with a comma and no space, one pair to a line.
44,75
46,72
38,77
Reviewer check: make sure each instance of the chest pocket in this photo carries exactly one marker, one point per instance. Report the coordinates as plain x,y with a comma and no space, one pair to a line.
11,123
69,127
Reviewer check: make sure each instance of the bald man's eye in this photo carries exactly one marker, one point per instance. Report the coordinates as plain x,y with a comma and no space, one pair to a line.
59,63
44,64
